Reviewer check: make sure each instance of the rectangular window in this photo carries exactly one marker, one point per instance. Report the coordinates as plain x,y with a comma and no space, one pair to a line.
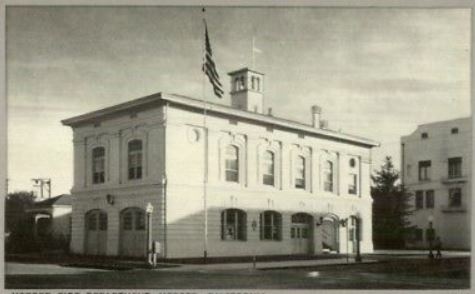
268,168
300,173
430,199
419,199
455,197
353,186
135,159
232,164
271,226
98,165
233,223
328,176
454,131
455,167
424,170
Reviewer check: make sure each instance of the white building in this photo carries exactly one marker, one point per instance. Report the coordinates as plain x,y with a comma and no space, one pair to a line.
436,169
274,186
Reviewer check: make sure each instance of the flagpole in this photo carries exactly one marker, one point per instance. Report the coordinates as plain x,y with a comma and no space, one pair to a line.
252,50
209,69
205,157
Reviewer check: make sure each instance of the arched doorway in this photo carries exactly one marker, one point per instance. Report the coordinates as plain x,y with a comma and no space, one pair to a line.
330,232
96,232
301,233
133,234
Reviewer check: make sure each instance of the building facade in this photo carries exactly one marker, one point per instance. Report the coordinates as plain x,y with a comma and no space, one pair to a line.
233,182
436,169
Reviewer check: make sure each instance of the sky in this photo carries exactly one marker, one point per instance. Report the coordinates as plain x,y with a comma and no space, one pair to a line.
376,73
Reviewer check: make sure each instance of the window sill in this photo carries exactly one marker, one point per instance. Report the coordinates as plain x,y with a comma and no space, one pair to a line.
457,180
272,187
424,180
232,184
457,209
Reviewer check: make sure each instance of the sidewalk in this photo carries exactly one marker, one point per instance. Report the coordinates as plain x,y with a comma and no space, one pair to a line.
266,265
396,252
121,264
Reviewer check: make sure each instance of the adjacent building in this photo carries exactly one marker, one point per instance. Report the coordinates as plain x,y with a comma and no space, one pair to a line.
51,220
229,181
436,169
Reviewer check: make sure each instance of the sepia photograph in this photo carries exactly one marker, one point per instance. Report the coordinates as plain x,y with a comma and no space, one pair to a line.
247,148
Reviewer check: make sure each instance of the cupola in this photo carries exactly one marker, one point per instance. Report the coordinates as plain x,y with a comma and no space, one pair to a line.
247,87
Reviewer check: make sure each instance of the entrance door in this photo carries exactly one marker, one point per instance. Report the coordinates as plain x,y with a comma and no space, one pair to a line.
300,234
133,238
96,232
330,234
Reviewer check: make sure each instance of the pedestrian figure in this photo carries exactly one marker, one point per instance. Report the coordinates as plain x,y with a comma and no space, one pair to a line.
438,247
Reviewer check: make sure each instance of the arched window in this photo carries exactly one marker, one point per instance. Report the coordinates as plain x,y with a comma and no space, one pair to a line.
300,225
300,173
232,163
96,220
270,226
243,84
233,224
352,162
133,219
328,176
98,165
135,159
268,168
237,83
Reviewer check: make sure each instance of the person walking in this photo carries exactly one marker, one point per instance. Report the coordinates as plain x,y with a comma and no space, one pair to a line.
438,248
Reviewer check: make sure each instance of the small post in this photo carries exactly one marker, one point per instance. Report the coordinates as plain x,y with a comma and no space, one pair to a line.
149,211
347,250
254,261
358,255
430,237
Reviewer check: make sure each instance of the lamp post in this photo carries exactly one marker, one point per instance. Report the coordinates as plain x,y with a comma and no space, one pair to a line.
149,211
430,236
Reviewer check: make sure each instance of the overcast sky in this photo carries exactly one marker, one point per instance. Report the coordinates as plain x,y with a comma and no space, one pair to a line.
376,73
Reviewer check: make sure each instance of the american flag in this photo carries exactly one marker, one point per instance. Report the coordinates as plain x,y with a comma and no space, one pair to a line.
209,67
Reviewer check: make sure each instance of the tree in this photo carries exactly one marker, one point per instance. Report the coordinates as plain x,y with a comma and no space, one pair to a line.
18,224
390,208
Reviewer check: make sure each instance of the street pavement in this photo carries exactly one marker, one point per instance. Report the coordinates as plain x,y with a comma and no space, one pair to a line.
381,271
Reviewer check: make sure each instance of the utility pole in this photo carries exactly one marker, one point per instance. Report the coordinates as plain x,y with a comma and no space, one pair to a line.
42,183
